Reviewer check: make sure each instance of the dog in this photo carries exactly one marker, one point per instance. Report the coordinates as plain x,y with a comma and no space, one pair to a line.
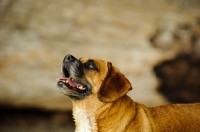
100,104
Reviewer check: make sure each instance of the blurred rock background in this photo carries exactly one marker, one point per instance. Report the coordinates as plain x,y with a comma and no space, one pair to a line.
139,37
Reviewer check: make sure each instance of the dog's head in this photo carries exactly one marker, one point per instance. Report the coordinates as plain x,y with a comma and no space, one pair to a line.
83,77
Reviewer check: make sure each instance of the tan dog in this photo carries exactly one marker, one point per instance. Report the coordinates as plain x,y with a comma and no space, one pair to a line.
98,92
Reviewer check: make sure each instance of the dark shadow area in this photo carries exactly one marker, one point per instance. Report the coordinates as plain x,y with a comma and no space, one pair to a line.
180,78
34,120
180,75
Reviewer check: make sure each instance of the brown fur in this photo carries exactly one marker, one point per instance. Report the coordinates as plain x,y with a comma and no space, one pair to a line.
109,109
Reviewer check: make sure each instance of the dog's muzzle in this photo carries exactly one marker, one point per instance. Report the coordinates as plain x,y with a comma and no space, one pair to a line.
72,66
72,83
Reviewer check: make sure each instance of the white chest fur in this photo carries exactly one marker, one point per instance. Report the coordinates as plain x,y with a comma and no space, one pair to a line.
85,121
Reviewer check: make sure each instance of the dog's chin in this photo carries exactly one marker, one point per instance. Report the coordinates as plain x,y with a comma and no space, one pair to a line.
75,89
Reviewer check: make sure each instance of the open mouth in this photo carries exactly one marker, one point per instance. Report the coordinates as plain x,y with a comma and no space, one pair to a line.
72,84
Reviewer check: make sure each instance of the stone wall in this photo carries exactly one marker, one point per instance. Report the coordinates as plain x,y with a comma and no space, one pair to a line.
36,35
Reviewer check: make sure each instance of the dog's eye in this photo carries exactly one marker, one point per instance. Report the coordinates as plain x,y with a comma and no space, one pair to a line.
90,65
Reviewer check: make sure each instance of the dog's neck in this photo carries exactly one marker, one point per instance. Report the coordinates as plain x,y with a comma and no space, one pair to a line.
90,115
85,114
84,120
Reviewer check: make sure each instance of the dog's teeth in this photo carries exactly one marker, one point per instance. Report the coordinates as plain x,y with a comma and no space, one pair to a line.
81,87
65,81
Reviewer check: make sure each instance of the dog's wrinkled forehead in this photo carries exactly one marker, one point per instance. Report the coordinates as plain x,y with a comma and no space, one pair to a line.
100,63
101,67
85,59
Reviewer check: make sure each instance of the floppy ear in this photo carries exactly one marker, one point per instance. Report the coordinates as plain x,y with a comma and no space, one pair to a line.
114,86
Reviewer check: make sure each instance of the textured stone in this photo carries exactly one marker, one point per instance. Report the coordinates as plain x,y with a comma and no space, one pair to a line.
36,35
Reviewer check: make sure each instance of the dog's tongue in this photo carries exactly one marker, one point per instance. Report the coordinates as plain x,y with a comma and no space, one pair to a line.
71,83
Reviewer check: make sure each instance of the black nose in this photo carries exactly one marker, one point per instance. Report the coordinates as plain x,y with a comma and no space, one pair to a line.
69,58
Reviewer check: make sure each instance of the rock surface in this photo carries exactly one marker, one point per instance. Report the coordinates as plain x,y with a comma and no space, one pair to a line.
180,76
36,35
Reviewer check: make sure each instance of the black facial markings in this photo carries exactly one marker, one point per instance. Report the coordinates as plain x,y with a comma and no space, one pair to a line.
90,65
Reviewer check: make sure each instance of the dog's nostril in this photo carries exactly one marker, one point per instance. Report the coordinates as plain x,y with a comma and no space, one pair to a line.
69,58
